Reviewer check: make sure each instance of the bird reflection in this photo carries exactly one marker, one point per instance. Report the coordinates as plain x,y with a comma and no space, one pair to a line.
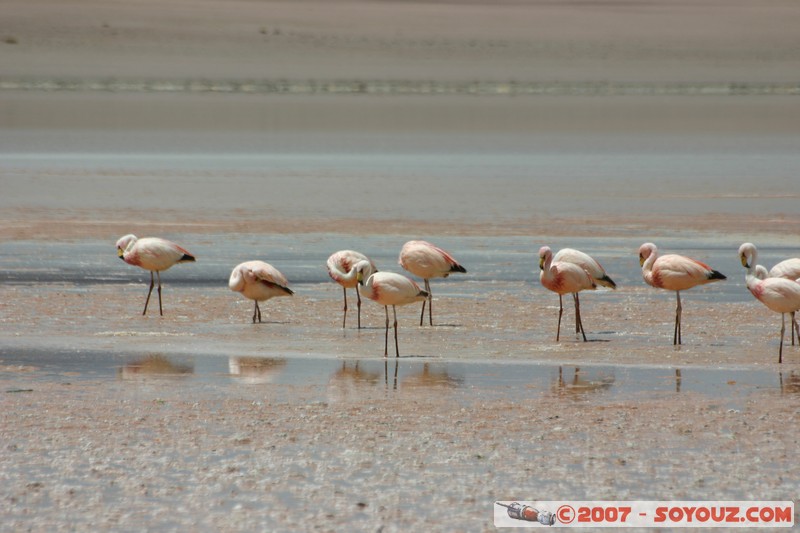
580,384
789,384
351,381
432,378
256,370
154,365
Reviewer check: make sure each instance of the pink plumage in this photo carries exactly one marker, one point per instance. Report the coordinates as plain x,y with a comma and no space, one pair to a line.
564,277
258,281
674,273
427,261
777,294
341,268
389,288
153,254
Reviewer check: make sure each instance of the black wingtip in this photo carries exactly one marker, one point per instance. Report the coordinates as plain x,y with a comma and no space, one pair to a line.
610,282
716,275
458,268
187,258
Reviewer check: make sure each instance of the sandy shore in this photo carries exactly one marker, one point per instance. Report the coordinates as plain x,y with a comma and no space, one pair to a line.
132,457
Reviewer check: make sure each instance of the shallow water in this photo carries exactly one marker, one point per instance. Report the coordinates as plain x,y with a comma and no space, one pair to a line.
357,380
472,178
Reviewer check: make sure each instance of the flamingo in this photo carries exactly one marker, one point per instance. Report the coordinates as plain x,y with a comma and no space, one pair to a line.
590,265
787,269
153,254
389,288
427,261
674,273
258,281
778,294
564,277
340,269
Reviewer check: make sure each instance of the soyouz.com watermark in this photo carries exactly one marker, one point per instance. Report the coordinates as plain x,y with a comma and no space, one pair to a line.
727,514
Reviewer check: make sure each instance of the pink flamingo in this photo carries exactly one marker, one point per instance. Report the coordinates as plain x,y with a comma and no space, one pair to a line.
674,273
427,261
153,254
590,265
340,269
778,294
564,277
258,281
787,269
388,288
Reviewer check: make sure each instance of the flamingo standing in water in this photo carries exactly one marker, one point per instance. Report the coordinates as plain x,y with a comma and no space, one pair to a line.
787,269
778,294
427,261
389,288
340,269
153,254
590,265
674,273
258,281
564,277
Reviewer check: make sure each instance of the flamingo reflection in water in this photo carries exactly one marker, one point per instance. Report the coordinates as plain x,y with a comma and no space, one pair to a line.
154,365
254,370
351,382
581,384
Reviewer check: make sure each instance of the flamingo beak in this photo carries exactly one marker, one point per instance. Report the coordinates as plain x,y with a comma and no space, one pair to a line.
641,260
541,263
360,278
120,253
744,261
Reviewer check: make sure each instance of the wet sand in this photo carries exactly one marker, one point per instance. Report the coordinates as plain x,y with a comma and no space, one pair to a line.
181,440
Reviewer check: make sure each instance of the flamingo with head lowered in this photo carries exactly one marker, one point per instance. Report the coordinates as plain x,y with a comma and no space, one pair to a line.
786,269
153,254
591,266
341,270
258,281
564,277
778,294
388,288
674,273
427,261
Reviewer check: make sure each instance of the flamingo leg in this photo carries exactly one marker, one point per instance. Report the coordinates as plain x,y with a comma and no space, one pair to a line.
795,327
396,348
256,313
577,312
147,301
344,318
430,301
560,312
358,303
578,321
160,310
676,338
386,339
422,315
783,330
